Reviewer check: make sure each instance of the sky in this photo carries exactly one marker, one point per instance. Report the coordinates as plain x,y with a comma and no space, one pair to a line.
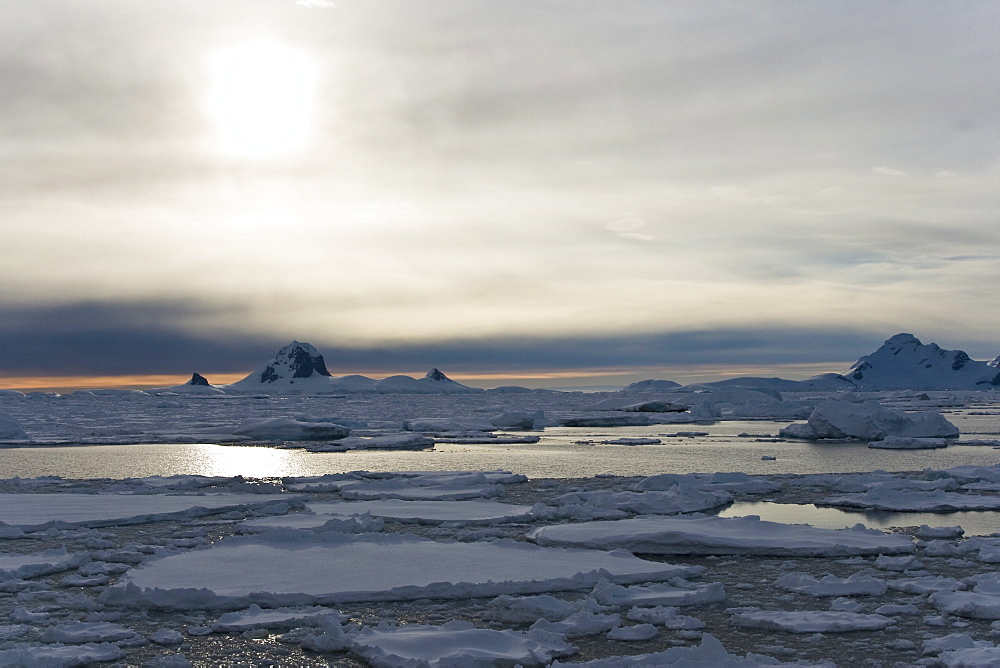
557,192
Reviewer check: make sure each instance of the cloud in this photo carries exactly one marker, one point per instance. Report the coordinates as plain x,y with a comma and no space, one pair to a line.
487,170
888,171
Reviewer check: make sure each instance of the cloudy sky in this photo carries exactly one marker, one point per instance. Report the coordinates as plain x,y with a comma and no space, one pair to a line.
599,191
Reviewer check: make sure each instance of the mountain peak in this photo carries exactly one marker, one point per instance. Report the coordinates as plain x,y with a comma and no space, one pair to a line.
296,360
198,379
435,374
903,362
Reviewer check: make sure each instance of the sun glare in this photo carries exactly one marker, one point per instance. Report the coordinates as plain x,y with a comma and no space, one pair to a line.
261,99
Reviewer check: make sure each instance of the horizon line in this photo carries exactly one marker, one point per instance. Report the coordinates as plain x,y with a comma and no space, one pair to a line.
539,378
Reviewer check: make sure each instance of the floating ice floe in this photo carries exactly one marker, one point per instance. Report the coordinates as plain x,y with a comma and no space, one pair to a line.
667,616
432,485
255,617
830,585
908,443
809,621
287,429
409,441
888,498
677,593
673,501
427,512
926,584
868,420
321,568
632,441
721,535
443,425
11,430
315,522
580,624
39,511
41,563
709,654
59,655
528,609
983,602
455,644
80,633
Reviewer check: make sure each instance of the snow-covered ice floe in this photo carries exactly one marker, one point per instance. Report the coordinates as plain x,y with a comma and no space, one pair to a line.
809,621
722,535
319,568
887,497
455,644
38,511
417,512
710,653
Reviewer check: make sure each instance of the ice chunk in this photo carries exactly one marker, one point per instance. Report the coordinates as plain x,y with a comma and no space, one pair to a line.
810,621
721,535
88,632
908,443
869,420
709,654
10,429
675,500
633,633
286,429
40,563
582,623
278,618
528,609
831,585
60,656
455,644
607,593
669,617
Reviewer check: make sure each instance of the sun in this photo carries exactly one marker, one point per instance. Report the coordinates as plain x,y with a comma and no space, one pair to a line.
261,99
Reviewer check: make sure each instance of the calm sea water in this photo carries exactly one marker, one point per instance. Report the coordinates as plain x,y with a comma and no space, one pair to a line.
561,453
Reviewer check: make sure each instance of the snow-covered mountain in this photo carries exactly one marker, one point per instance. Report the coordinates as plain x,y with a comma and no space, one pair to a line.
297,365
300,367
903,362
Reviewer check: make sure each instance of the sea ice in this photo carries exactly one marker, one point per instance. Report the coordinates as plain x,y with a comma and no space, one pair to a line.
60,656
908,443
633,633
278,618
528,609
579,624
38,511
887,498
709,654
677,593
719,535
287,429
455,644
41,563
427,512
321,568
869,420
831,585
809,621
674,500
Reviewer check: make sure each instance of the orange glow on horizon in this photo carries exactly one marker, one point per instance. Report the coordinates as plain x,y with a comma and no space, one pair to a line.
608,375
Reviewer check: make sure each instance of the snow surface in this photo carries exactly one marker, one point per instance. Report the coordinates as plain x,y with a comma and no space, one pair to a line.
38,511
330,567
719,535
